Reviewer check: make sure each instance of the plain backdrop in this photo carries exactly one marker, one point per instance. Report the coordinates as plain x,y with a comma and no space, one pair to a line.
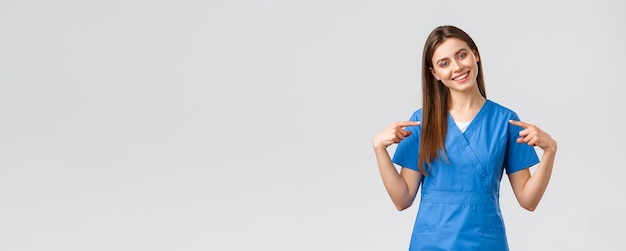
247,125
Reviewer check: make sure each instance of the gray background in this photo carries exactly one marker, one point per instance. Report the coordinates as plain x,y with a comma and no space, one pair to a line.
247,125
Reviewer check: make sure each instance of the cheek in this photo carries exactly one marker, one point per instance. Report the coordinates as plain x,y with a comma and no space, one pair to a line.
470,62
442,74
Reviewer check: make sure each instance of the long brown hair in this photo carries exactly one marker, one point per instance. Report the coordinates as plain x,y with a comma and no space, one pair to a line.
435,96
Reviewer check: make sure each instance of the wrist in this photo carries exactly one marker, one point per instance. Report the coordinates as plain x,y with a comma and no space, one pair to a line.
379,147
550,150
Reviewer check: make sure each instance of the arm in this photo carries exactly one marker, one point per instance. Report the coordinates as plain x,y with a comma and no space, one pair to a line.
529,189
401,187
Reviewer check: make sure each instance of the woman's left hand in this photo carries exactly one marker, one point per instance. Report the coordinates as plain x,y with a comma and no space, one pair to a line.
535,136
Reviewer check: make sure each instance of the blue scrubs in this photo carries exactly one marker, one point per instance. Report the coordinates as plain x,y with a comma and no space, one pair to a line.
459,207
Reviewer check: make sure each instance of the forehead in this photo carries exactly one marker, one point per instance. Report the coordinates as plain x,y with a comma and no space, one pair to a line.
448,48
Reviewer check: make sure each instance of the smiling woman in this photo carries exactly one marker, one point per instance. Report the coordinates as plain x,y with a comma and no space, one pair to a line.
457,147
446,67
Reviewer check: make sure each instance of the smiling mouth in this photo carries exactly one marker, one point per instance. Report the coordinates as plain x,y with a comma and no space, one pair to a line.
461,77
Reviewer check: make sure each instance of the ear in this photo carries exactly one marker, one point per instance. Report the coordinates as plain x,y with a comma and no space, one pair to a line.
432,71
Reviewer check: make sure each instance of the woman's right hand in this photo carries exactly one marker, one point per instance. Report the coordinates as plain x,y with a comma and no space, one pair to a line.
394,133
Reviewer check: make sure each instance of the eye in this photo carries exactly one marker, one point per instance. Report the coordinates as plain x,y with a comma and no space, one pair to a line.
462,55
443,64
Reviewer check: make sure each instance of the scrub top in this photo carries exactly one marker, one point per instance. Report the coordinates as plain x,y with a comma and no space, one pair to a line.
459,205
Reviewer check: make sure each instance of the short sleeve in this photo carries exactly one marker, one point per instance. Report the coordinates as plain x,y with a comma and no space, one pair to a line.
407,151
518,156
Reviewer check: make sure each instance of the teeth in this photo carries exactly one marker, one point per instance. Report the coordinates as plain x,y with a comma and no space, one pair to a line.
462,76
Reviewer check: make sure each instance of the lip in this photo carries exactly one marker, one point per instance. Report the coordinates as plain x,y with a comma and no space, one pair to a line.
455,78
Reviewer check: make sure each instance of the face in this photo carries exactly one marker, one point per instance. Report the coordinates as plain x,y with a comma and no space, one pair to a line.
456,65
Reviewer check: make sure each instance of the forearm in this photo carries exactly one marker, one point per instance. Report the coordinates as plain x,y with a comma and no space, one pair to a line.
394,183
537,184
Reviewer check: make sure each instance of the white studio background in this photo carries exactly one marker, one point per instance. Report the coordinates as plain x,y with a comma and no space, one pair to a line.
247,125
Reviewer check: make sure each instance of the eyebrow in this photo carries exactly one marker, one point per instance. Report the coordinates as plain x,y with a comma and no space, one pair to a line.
457,52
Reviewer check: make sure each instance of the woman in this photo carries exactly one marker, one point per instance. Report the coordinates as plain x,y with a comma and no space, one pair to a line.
457,146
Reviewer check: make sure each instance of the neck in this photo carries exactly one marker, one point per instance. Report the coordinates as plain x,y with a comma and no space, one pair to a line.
466,101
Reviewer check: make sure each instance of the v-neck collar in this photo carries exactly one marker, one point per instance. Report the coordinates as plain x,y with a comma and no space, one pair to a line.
474,120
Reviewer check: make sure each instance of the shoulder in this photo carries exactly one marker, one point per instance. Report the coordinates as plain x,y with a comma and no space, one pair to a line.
500,110
417,115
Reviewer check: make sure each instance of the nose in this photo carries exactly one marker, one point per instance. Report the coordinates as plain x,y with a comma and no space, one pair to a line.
457,67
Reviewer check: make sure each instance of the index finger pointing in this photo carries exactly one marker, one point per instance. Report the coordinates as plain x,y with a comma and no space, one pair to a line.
408,123
519,123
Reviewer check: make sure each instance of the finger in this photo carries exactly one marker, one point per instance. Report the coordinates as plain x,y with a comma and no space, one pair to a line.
398,137
402,134
524,133
519,123
528,138
533,141
407,123
525,136
530,130
405,133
